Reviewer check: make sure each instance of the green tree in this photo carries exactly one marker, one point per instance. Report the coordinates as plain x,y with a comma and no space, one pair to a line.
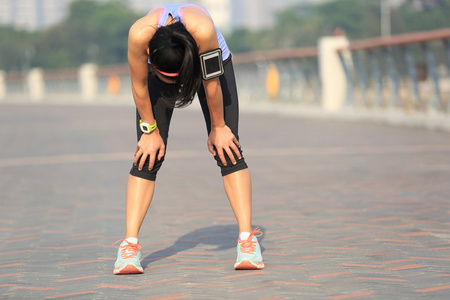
358,18
302,25
97,31
93,32
422,15
297,26
244,40
114,20
16,49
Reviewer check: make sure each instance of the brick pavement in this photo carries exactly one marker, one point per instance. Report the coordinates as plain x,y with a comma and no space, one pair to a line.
348,210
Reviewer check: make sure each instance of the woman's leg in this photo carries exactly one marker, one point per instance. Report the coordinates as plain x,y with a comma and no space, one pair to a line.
141,184
138,198
236,178
238,188
141,187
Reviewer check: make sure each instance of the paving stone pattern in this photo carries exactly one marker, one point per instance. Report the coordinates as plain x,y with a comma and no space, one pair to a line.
348,210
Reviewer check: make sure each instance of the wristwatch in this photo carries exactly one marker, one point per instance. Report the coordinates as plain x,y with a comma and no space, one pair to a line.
147,128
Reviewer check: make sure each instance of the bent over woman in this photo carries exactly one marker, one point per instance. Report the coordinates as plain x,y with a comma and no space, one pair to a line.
174,53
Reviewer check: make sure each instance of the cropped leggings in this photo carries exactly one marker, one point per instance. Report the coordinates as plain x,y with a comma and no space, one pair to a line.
163,115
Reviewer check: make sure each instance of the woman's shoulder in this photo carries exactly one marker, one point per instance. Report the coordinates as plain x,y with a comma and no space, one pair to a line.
144,28
149,20
196,16
198,22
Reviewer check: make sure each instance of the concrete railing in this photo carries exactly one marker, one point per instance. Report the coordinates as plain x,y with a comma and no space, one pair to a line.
89,83
407,72
279,76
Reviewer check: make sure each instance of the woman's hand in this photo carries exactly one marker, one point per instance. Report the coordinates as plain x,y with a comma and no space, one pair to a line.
224,140
148,146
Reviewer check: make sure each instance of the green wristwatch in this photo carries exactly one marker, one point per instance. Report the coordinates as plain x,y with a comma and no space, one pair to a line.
147,128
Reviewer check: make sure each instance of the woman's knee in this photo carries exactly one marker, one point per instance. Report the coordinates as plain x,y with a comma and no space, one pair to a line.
145,173
230,167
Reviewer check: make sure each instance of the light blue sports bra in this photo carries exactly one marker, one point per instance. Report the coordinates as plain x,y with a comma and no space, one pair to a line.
176,11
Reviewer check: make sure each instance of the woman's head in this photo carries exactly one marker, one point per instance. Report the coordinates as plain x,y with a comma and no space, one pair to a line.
174,55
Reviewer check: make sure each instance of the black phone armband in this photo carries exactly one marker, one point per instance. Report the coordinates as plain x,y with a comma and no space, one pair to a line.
212,64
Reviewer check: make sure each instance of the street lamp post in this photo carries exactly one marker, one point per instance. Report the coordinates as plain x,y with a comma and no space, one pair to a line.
385,18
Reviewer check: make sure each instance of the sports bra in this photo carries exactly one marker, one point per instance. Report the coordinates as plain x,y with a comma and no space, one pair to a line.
176,11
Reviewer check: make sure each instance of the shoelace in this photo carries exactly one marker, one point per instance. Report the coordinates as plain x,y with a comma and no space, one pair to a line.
129,250
249,246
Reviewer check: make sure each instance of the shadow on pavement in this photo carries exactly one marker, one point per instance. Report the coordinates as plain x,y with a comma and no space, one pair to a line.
222,236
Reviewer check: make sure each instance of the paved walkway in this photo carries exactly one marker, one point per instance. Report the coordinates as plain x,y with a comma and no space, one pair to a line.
348,210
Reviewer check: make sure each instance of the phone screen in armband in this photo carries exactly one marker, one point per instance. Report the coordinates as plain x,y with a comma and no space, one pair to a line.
212,64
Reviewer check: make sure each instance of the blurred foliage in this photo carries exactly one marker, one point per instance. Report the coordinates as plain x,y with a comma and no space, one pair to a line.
302,25
93,32
97,32
13,48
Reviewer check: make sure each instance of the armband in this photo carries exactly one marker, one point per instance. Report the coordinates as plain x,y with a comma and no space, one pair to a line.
212,64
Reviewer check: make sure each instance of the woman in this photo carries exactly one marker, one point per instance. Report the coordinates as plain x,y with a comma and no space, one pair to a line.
175,52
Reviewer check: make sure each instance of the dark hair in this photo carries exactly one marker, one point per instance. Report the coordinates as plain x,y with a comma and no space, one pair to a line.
173,49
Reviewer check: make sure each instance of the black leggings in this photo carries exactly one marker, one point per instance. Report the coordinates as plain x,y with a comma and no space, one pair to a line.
163,115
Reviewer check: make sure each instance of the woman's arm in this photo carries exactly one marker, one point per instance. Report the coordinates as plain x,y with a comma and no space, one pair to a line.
221,136
150,143
138,63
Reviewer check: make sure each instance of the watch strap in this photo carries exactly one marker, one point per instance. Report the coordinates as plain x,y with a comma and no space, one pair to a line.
149,127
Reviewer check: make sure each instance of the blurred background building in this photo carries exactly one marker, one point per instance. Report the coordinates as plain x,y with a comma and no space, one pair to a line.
228,14
32,14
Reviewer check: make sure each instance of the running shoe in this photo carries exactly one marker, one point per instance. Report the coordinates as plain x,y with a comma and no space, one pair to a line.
249,253
128,259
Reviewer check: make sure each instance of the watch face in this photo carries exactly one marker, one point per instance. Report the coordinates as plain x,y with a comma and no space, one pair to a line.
144,128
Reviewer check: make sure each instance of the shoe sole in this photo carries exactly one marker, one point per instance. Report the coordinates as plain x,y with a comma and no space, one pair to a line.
247,265
128,269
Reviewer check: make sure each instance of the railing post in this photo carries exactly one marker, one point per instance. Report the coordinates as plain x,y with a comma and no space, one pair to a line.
261,71
286,80
447,50
36,86
412,74
362,77
88,81
394,77
294,79
2,85
436,103
318,83
375,68
301,78
332,74
349,99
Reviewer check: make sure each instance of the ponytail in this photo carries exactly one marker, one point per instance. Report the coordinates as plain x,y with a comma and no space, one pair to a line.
174,50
